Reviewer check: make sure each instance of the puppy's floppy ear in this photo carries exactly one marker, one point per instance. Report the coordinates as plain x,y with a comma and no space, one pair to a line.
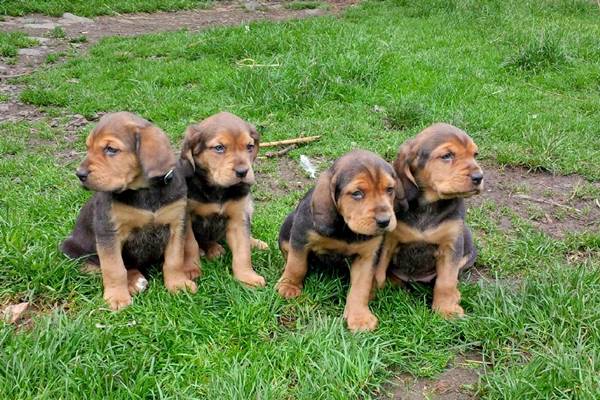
189,140
403,164
323,207
256,136
154,151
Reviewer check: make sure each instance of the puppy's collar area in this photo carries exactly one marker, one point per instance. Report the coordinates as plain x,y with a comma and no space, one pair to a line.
165,179
168,176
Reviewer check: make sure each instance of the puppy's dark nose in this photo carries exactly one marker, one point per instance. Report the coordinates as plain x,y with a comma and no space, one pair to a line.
476,178
382,222
241,172
82,175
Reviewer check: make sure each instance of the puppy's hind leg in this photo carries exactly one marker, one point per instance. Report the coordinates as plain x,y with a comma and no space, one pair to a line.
213,250
136,282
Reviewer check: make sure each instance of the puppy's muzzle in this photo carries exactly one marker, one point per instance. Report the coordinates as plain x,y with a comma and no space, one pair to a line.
477,178
241,172
82,174
382,222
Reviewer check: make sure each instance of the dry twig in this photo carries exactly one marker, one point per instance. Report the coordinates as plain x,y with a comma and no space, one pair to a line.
543,201
306,139
282,152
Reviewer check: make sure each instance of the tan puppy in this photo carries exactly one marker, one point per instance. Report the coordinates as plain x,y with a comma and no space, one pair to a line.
137,215
431,241
345,215
221,150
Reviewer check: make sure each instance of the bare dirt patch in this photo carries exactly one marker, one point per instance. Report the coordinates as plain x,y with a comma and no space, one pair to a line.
458,382
79,33
278,179
554,204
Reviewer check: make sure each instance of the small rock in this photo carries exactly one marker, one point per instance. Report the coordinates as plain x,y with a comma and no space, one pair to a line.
4,107
13,312
68,19
313,11
251,5
54,123
40,40
41,25
30,52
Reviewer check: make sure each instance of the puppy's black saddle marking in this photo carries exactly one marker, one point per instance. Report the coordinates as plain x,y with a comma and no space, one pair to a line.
144,245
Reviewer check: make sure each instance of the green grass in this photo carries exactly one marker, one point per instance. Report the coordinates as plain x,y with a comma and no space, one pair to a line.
304,5
58,33
90,8
523,83
11,42
521,77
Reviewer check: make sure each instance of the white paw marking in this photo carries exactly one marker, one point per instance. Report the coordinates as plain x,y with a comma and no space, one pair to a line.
141,283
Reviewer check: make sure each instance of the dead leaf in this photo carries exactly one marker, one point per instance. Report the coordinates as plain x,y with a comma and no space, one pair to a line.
12,313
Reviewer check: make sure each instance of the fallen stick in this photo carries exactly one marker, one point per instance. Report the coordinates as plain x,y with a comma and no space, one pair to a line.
306,139
14,75
282,152
542,201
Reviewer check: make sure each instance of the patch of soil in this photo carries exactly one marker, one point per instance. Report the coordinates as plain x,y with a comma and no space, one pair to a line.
458,382
287,177
40,27
554,204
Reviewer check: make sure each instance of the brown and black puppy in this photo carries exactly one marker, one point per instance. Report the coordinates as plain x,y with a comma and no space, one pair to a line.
431,241
221,150
137,215
347,213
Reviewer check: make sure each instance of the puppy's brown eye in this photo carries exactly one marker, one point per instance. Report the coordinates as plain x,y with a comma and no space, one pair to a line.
357,195
476,154
448,156
390,190
250,147
110,151
219,148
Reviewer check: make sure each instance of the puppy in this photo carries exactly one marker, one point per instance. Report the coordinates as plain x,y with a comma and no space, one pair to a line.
431,241
347,213
221,150
137,215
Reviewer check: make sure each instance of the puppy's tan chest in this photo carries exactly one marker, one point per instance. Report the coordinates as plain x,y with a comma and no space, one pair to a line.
126,218
446,232
229,208
322,244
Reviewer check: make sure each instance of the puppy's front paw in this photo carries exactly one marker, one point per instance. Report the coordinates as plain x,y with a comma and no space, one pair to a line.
288,290
180,282
446,302
117,298
258,244
214,250
361,321
448,310
250,278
